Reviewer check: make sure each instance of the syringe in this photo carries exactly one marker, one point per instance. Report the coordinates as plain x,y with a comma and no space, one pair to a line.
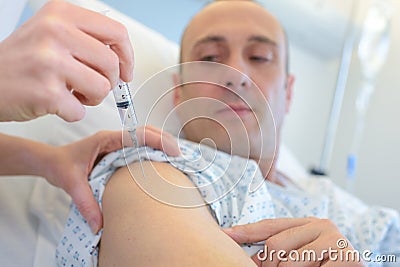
127,114
123,100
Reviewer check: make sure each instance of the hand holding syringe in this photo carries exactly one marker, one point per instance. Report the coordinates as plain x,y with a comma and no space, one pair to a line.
127,114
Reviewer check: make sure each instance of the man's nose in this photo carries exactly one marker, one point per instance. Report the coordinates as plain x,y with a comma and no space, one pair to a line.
237,80
237,77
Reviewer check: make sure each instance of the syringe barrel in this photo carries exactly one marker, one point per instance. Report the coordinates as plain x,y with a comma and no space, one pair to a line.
125,107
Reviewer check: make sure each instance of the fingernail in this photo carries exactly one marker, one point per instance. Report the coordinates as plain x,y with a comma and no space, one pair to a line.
94,226
232,233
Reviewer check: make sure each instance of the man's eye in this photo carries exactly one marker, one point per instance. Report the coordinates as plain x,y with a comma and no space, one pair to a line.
260,59
212,58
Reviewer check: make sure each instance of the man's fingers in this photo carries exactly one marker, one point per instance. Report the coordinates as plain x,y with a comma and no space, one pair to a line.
264,229
84,200
295,237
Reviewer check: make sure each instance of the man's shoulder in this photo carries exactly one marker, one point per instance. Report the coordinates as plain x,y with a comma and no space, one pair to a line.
163,182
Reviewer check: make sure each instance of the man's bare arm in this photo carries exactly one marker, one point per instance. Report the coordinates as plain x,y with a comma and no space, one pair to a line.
142,231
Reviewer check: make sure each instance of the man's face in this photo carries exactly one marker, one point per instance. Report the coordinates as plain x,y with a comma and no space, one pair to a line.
235,105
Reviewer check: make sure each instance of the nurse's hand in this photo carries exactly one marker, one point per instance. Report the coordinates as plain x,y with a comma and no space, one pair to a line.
58,61
295,236
69,166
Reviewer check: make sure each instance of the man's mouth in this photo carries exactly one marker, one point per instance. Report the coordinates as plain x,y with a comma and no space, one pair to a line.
236,108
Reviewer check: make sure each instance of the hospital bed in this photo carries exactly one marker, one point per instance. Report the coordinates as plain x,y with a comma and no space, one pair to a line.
32,212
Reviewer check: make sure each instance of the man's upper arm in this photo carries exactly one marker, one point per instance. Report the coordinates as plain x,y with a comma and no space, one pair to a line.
141,230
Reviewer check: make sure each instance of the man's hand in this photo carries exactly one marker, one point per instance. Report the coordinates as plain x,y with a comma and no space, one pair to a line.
58,61
70,165
295,234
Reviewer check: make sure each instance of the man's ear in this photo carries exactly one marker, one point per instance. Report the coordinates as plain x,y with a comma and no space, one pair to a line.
177,91
289,91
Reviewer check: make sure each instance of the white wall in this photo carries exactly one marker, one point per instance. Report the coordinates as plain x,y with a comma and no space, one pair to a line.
378,179
304,128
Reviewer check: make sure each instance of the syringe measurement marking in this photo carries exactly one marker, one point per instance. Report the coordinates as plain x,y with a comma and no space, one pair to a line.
123,105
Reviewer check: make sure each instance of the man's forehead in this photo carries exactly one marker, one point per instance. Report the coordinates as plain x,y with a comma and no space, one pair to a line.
217,14
229,5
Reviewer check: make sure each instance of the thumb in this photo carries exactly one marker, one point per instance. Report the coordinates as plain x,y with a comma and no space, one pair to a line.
87,205
264,229
247,233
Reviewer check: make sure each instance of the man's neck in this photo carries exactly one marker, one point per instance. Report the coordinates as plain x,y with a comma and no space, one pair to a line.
268,170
